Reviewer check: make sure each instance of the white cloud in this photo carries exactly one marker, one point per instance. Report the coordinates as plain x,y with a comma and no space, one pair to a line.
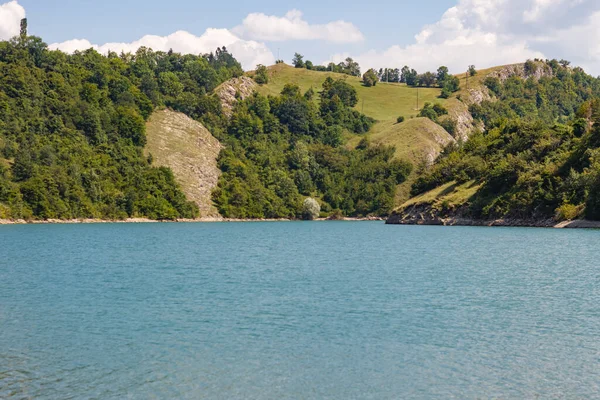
496,32
249,53
292,27
11,14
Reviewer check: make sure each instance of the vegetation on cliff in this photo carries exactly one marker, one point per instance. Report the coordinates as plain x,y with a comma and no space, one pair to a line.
539,156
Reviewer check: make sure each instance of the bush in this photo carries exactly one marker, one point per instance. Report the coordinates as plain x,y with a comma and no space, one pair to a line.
567,212
449,125
262,75
400,119
370,78
310,209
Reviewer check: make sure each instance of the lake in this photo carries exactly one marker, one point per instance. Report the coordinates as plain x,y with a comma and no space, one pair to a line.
298,310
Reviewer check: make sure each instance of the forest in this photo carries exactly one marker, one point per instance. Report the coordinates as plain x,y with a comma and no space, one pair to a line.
72,134
72,129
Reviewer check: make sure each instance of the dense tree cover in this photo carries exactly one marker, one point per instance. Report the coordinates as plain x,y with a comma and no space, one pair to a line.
72,128
280,150
539,156
389,75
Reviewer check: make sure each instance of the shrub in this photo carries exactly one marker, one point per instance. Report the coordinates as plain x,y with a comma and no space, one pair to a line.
449,125
567,212
262,76
400,119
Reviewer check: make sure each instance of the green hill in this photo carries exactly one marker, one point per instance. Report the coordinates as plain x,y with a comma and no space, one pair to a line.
384,102
535,160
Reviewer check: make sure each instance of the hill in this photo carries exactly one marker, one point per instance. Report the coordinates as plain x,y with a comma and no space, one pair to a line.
535,160
383,102
417,140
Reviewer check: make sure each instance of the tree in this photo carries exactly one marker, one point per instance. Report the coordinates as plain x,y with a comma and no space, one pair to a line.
262,75
309,64
370,78
427,79
442,75
351,67
472,70
310,209
451,85
24,28
343,90
409,76
298,61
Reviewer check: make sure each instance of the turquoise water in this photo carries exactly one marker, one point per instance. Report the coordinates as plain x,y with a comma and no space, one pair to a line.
340,310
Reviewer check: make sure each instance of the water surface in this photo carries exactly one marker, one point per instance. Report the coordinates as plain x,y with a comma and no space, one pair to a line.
336,310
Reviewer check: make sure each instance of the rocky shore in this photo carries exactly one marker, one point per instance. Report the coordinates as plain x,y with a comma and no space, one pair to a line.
424,218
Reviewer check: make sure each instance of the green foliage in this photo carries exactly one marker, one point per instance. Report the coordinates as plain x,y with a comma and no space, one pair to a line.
433,111
472,70
281,149
539,156
73,129
409,76
298,61
370,78
262,75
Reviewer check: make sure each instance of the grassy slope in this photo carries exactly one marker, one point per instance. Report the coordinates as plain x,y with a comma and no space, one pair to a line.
452,194
384,102
184,145
415,140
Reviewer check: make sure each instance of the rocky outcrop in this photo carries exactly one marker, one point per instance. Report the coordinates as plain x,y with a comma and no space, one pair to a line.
237,88
188,148
539,69
424,214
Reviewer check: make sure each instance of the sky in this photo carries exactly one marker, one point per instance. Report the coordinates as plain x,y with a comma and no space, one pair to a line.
423,34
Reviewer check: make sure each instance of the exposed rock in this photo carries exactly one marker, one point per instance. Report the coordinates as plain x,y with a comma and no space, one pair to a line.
424,214
541,70
189,149
228,92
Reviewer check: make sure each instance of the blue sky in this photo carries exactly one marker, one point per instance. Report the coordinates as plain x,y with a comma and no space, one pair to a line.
383,22
388,23
423,34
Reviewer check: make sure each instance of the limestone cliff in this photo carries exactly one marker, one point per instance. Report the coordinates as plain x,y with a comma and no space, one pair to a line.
189,149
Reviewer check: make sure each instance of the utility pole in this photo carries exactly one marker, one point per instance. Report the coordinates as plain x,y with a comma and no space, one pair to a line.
417,98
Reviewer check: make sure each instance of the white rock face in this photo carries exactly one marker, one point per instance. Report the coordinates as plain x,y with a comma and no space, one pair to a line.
311,209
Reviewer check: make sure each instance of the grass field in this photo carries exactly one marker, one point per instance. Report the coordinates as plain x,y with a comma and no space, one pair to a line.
384,102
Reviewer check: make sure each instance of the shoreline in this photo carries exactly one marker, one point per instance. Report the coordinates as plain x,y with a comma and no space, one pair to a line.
396,219
78,221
